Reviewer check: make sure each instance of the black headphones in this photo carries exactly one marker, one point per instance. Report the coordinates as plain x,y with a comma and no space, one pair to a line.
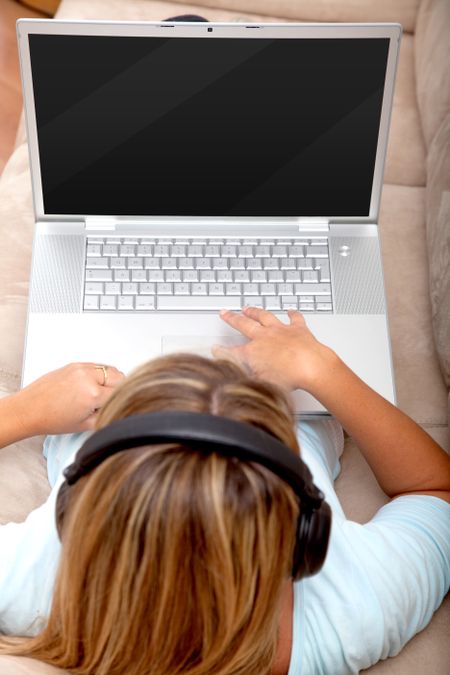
229,438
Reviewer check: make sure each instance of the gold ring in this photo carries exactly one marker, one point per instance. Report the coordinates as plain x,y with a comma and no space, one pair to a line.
105,374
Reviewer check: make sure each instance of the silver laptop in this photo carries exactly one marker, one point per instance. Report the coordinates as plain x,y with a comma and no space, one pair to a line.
179,169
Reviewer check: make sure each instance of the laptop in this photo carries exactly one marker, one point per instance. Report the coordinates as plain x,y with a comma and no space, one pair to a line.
182,168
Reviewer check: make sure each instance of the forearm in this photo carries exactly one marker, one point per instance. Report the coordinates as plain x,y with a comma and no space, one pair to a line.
13,426
402,456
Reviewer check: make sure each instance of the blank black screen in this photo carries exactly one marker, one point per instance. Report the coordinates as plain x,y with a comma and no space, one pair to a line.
207,127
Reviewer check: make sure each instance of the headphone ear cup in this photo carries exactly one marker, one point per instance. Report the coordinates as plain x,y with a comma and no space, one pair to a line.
313,534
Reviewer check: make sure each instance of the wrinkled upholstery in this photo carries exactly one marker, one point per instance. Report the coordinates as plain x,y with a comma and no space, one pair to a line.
414,225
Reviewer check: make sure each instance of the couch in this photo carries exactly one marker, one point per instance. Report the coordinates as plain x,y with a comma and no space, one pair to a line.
415,236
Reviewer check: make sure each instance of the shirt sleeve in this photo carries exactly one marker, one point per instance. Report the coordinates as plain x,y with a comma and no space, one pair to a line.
405,550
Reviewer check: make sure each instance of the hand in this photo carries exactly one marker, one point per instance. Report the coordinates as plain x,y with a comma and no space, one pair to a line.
65,400
288,355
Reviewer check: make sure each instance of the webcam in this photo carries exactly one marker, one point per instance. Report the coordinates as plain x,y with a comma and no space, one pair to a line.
209,29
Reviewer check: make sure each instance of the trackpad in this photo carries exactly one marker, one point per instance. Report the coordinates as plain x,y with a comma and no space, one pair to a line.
198,344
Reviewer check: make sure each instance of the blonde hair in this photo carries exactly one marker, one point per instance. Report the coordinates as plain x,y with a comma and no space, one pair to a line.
174,561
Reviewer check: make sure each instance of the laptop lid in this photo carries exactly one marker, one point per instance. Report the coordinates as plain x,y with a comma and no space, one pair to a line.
182,121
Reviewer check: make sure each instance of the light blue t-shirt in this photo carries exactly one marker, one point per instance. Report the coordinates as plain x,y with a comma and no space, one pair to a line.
380,584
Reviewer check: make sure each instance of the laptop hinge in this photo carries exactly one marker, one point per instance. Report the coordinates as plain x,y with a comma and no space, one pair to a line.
315,224
100,223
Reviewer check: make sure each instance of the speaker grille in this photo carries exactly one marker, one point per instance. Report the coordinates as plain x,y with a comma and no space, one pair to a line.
357,277
56,284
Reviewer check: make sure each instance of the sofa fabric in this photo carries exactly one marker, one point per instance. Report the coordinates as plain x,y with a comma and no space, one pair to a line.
414,231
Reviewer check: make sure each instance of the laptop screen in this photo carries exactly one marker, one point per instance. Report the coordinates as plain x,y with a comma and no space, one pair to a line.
207,127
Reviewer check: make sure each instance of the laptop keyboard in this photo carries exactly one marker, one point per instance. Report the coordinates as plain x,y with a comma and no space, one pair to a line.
148,274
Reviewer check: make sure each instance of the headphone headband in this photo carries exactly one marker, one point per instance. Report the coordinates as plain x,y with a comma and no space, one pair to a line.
229,438
197,430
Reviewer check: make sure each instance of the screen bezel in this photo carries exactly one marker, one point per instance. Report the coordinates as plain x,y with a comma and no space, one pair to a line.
25,27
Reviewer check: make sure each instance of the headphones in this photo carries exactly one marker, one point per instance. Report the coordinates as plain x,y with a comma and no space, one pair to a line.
229,438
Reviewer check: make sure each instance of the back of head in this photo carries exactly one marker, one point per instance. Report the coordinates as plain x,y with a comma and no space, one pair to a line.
174,560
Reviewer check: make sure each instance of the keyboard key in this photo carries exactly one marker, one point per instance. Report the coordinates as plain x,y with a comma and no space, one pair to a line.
125,302
276,276
241,275
145,250
145,302
152,263
212,251
254,301
161,251
113,289
262,251
259,276
306,306
108,302
224,275
111,250
285,289
199,289
169,264
319,241
180,289
91,302
271,264
208,275
129,289
296,252
268,289
250,289
164,289
233,289
202,264
190,275
178,251
93,288
310,276
288,264
135,263
289,302
272,303
253,263
155,275
121,275
138,275
186,263
195,251
127,250
97,263
189,302
94,250
245,252
317,252
228,251
98,275
118,263
147,289
324,306
220,263
324,270
173,275
309,289
216,289
295,275
237,264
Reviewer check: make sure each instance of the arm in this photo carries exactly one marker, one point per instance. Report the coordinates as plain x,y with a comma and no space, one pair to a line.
65,400
402,456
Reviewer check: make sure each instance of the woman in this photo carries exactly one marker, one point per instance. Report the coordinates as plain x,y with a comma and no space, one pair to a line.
174,561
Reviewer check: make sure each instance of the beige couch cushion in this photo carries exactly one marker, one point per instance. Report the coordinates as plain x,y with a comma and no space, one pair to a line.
402,11
432,64
438,238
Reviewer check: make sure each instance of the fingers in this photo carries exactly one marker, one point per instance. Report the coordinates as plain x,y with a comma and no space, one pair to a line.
240,322
262,316
296,318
